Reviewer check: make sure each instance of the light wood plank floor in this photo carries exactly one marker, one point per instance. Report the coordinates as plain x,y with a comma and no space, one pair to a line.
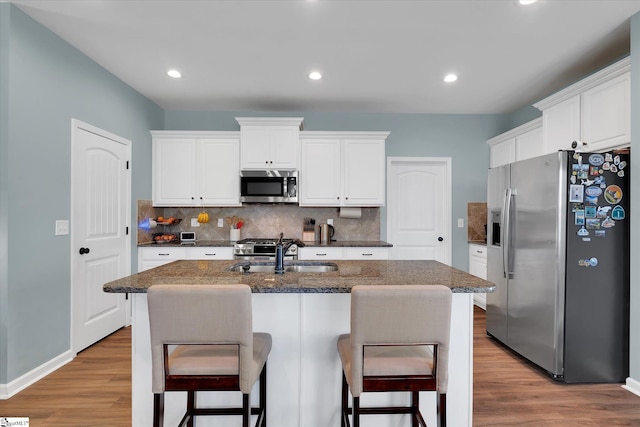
95,390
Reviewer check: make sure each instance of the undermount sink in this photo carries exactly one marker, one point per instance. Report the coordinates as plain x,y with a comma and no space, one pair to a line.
289,267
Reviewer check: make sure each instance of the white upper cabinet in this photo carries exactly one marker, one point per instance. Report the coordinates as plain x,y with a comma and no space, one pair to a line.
196,168
342,168
269,142
520,143
595,112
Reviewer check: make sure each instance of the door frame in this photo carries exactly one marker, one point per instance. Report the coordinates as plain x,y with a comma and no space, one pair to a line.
77,125
446,161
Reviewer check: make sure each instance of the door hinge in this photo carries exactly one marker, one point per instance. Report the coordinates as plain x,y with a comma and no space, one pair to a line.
127,230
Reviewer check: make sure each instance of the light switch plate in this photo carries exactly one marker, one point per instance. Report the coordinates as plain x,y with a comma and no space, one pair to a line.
62,227
460,222
194,222
330,221
220,223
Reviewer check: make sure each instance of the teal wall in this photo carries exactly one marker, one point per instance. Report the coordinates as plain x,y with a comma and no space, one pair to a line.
634,344
45,83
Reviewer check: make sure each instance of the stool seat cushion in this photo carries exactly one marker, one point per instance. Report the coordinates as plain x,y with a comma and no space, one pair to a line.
385,360
218,359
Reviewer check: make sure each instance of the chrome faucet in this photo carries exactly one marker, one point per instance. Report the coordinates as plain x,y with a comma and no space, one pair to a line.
281,249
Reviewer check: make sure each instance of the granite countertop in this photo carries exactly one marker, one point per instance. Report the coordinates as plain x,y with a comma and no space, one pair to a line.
349,274
229,243
349,244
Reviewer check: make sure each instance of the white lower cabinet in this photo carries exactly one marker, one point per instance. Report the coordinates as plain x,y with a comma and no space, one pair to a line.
157,256
478,267
342,253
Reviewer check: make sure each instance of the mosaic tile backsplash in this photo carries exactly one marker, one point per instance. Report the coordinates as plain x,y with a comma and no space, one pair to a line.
261,221
476,220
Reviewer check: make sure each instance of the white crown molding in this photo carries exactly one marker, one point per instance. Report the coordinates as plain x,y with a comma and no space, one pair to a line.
613,70
194,134
270,121
343,134
533,124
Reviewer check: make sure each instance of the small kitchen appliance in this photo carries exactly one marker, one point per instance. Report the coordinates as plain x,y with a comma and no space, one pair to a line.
326,233
187,238
269,186
263,249
558,252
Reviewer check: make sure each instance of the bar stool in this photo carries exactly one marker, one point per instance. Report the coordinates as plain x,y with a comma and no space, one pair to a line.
210,330
399,341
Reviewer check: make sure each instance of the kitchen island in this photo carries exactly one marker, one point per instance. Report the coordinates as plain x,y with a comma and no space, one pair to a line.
305,313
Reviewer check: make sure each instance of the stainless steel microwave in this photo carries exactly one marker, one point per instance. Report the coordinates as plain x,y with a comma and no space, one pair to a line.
269,186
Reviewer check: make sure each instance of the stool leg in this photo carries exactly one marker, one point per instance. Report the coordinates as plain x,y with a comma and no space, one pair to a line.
415,408
246,410
442,410
344,416
263,395
158,409
191,405
356,412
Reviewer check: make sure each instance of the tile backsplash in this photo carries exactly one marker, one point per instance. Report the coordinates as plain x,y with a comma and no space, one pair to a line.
476,221
261,221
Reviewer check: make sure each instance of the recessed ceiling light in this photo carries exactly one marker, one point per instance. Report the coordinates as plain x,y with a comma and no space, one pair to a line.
449,78
174,73
526,2
315,75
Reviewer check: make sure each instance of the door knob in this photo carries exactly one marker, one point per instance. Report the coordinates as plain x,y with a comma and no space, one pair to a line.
440,239
84,251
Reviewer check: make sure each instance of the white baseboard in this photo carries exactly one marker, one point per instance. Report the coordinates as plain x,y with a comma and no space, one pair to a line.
480,300
632,385
19,384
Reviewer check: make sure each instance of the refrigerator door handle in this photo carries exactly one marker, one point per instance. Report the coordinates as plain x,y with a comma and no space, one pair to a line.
507,258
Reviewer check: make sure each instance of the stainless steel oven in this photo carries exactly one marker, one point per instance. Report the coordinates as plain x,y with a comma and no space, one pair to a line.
262,249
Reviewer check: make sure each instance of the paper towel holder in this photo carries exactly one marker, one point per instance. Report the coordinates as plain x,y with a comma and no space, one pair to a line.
353,213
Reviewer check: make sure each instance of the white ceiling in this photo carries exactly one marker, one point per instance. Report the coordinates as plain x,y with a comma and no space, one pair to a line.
376,55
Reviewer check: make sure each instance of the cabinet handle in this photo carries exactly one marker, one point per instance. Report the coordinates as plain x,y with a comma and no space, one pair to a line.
321,254
164,254
338,197
480,252
367,254
210,254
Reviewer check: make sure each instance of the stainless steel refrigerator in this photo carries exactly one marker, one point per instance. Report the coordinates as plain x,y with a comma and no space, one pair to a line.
558,252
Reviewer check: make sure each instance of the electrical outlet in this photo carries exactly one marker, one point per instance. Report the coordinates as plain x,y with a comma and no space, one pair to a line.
460,222
330,221
220,222
194,222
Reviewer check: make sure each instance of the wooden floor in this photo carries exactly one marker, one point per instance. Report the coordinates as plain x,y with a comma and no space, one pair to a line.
95,390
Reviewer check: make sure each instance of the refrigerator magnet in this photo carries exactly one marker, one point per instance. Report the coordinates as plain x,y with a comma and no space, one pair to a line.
583,232
590,211
594,170
606,166
613,194
596,159
576,193
608,157
621,174
618,213
593,223
579,217
608,222
600,233
603,211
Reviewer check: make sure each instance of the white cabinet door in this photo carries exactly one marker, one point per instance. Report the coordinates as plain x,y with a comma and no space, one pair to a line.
157,255
269,147
218,173
320,253
196,169
561,125
529,144
606,114
502,153
210,252
478,267
320,172
174,163
364,172
366,253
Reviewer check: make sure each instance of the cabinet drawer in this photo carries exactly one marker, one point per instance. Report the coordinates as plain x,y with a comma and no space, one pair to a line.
171,253
478,251
211,253
366,253
319,253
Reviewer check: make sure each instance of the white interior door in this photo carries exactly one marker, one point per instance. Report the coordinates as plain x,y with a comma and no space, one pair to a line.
101,208
419,208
